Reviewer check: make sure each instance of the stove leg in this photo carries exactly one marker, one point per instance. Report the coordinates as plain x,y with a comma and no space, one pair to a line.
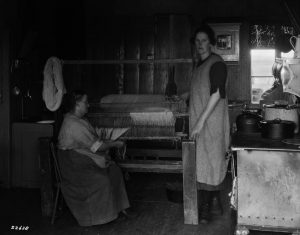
241,230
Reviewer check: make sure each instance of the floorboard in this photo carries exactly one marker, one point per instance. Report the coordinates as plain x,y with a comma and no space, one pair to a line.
147,193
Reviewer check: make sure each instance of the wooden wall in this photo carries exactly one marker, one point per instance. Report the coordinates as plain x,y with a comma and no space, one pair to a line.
133,38
133,29
118,29
7,14
162,36
4,108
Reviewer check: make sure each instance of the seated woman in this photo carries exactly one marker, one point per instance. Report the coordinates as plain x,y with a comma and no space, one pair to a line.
92,185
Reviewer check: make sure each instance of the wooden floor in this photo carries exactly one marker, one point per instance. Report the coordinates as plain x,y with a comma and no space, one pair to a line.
156,215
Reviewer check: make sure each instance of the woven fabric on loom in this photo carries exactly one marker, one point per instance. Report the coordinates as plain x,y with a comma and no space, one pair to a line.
146,115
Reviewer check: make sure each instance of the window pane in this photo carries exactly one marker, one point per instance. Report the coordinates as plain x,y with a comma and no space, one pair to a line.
262,62
258,86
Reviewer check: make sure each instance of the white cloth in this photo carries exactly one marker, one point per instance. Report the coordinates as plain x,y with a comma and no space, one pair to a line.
290,77
53,85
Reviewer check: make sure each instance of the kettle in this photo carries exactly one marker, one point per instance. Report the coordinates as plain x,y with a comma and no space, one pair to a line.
296,46
248,122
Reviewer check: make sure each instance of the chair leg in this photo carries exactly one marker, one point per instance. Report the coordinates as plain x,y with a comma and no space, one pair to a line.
55,205
220,203
61,203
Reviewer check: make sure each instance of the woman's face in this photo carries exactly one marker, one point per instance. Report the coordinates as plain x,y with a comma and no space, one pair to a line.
202,43
83,105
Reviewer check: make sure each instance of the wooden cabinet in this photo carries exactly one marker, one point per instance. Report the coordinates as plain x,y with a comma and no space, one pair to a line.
25,153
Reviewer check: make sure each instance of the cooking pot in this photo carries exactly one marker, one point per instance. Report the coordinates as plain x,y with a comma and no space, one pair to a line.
248,122
283,112
277,129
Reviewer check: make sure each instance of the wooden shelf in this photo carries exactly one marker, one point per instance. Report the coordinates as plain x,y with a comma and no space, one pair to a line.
151,61
145,61
157,166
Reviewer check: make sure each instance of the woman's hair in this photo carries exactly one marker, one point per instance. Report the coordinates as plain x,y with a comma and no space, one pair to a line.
70,100
204,28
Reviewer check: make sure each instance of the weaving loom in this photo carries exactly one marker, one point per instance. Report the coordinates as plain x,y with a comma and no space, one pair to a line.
155,141
149,116
151,119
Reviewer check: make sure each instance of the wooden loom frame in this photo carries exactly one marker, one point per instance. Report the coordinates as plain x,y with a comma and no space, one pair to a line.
188,164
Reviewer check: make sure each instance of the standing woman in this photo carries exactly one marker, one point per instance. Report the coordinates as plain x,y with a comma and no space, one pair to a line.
209,119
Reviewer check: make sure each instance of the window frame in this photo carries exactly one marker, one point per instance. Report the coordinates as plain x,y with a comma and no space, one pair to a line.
277,54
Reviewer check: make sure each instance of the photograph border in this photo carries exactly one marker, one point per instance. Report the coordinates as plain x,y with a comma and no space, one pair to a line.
232,29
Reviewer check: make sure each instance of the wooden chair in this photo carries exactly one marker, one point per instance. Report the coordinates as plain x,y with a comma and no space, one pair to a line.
58,180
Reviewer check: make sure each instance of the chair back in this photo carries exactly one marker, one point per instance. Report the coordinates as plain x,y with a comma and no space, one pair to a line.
55,163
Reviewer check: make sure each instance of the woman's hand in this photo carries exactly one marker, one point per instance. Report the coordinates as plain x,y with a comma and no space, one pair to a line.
118,144
212,102
111,144
197,129
105,161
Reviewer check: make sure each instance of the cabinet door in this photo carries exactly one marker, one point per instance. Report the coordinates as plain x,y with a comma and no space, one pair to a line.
25,153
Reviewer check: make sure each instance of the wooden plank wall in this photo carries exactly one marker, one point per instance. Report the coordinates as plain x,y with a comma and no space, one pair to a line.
104,41
161,36
161,51
180,47
239,82
158,37
132,51
4,109
147,52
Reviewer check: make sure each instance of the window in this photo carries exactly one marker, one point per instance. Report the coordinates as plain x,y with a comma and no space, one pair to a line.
262,79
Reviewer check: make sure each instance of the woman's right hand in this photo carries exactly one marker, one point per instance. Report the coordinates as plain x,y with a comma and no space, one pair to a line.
119,144
104,161
111,144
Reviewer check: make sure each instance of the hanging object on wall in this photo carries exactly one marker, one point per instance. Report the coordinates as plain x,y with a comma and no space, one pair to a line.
262,36
171,87
227,40
271,36
296,46
290,75
282,39
53,85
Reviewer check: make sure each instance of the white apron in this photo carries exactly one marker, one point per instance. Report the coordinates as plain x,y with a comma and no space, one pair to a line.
214,139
